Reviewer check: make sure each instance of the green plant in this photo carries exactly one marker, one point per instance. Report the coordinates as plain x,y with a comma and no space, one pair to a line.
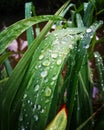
53,71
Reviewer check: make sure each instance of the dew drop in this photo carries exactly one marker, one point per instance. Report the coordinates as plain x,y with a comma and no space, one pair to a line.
47,92
21,118
25,95
54,55
54,78
36,117
37,87
88,30
39,66
31,103
46,101
44,74
39,107
78,108
59,61
91,37
23,128
46,63
26,115
63,42
46,80
86,46
41,57
52,83
70,46
42,111
27,123
28,101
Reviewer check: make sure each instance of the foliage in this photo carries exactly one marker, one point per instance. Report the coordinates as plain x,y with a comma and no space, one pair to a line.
53,71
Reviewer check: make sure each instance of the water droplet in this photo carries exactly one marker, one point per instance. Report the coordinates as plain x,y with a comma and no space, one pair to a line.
88,30
91,37
39,107
52,83
42,111
28,101
86,46
44,74
54,55
47,92
24,110
41,57
27,123
63,42
20,118
37,87
46,81
26,115
36,117
46,63
46,101
54,78
25,95
23,128
78,108
95,55
31,103
70,46
40,66
59,61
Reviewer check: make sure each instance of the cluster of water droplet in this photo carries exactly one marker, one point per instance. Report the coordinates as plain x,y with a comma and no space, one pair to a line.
47,67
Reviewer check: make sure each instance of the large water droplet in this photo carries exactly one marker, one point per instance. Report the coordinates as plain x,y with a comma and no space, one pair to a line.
41,57
86,46
36,87
46,63
54,78
58,62
47,92
88,30
44,74
54,55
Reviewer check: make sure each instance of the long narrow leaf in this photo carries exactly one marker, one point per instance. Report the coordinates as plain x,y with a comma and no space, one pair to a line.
13,31
40,95
19,73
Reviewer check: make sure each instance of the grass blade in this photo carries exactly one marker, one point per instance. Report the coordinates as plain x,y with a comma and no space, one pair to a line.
13,31
81,53
28,13
43,79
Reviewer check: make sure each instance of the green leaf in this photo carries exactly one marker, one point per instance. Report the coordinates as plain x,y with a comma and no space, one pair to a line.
13,31
81,53
100,69
4,56
28,13
15,91
88,14
41,93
